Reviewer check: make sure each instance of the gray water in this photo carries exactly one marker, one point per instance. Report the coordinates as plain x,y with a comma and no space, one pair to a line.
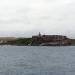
22,60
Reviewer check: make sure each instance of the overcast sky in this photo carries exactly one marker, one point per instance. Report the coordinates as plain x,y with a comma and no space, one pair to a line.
28,17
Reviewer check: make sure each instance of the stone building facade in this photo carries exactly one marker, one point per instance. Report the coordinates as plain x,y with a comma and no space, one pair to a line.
50,39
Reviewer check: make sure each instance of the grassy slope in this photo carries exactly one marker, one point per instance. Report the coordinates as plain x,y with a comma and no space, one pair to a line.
21,41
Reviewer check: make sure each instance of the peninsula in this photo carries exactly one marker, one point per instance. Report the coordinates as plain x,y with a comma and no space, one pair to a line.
38,40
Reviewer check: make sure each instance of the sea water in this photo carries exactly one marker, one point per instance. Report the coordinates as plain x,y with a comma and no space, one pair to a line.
37,60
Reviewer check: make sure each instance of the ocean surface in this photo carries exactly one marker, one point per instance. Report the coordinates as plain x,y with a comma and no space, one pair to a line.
27,60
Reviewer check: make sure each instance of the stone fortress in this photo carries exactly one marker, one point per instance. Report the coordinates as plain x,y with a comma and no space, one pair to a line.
50,40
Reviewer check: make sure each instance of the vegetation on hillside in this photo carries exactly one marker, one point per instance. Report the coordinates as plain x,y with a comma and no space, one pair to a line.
21,41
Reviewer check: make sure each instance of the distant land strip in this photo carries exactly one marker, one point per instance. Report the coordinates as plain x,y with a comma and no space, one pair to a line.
38,40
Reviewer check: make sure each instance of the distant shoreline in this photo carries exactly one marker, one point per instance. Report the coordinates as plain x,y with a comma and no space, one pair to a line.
38,40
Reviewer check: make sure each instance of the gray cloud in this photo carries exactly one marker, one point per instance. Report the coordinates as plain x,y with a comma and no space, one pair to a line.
32,16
